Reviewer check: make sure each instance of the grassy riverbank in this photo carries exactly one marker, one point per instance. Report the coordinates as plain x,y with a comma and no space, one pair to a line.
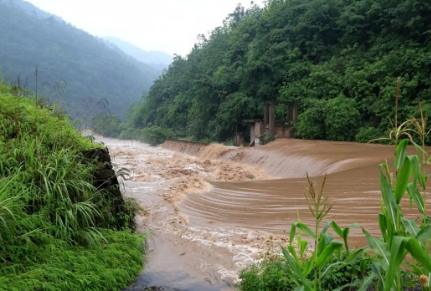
59,230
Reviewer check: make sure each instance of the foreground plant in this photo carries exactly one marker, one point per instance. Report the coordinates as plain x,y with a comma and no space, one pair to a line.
325,247
58,230
401,236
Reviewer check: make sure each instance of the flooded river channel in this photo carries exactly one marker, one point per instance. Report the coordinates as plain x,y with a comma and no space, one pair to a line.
212,214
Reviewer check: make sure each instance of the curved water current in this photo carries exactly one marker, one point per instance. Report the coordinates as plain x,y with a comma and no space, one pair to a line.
352,184
212,215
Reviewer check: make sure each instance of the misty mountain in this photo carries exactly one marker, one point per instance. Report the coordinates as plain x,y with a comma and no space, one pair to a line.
156,59
29,8
74,67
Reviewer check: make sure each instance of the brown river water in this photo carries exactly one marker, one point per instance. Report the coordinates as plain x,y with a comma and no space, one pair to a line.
221,209
352,184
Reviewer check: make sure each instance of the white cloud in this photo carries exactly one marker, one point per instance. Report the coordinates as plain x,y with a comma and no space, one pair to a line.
166,25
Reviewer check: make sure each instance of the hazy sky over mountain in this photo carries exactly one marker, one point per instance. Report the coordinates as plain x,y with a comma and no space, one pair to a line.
171,26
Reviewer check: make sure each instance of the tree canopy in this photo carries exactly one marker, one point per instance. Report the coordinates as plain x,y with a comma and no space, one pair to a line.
338,59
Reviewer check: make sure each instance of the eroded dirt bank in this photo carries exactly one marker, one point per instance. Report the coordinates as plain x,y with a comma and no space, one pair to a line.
203,255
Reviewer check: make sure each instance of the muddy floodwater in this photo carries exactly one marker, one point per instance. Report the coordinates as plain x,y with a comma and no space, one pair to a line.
352,184
220,209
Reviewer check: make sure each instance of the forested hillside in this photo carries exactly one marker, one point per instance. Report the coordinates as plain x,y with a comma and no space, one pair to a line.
339,59
74,67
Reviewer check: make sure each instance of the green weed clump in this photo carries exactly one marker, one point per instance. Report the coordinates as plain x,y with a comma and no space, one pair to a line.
61,266
57,230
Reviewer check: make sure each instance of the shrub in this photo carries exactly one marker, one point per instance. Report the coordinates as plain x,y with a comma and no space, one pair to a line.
156,135
341,119
311,122
366,134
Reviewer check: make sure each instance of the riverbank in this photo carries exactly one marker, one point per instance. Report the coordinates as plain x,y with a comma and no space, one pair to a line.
64,224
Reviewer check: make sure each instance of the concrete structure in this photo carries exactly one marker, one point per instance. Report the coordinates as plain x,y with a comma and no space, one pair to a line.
273,128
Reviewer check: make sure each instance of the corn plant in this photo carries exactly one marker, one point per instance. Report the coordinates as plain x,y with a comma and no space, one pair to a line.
400,236
325,247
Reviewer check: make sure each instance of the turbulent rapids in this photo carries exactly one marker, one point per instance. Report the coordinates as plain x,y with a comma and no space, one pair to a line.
215,209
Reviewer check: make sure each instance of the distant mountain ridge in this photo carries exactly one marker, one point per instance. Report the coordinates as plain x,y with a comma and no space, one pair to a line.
88,68
30,9
156,59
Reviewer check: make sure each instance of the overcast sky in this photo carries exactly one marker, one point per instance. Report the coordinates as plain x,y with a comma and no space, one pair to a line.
170,26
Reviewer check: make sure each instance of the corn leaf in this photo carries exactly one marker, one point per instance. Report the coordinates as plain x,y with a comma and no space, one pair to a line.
377,270
328,253
398,253
383,226
388,198
403,179
400,154
424,234
379,248
411,226
413,191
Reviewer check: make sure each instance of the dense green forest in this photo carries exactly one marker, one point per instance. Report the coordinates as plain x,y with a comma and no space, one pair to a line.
338,59
64,224
74,67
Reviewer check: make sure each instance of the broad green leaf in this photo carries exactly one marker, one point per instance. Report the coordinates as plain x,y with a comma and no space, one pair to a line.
398,253
321,246
383,226
328,253
292,233
343,233
389,199
335,227
324,240
304,228
418,253
346,232
310,264
292,250
296,269
424,234
297,274
416,196
363,267
327,237
344,287
403,179
377,270
411,226
419,149
330,268
379,248
366,283
400,154
416,171
302,247
353,256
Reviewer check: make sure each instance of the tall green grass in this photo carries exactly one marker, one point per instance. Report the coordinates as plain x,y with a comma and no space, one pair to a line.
57,231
